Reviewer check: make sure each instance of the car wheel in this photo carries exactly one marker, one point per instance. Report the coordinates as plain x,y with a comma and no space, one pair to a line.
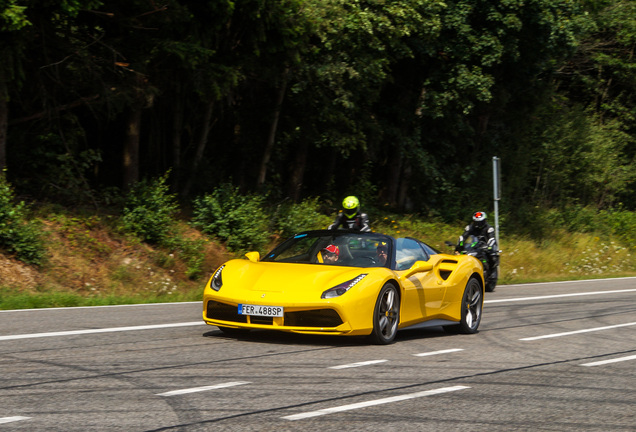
472,303
386,315
492,280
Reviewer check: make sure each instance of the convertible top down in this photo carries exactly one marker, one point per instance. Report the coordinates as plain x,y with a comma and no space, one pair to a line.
338,282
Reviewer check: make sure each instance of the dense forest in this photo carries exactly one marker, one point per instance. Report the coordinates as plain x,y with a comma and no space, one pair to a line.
402,102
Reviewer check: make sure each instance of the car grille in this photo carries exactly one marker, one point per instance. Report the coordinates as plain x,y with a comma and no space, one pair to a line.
224,312
308,318
313,318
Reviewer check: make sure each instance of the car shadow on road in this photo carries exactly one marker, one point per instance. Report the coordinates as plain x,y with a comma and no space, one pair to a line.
287,338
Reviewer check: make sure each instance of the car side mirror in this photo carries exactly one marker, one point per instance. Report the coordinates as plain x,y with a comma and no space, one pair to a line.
418,267
253,256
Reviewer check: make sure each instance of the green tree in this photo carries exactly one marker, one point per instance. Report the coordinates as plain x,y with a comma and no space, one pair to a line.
12,20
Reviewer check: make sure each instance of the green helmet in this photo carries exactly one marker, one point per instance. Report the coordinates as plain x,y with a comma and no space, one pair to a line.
350,206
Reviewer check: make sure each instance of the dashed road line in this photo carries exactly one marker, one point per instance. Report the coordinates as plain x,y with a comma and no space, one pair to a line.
438,352
373,403
12,419
604,362
553,335
201,389
357,364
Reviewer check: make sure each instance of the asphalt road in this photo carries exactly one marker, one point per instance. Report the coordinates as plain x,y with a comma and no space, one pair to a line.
548,357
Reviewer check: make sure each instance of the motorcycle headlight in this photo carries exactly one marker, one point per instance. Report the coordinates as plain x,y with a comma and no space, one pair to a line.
216,282
342,288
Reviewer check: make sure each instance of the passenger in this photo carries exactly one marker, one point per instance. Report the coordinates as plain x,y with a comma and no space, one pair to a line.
382,252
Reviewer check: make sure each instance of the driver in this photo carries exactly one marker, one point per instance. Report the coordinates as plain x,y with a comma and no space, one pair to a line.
330,254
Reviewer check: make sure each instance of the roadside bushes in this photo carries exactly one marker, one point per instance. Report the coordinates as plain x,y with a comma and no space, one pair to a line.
150,210
19,235
150,214
291,218
238,220
242,222
247,222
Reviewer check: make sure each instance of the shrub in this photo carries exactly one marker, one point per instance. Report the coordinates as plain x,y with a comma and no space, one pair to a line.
291,218
150,210
18,235
621,223
191,251
237,219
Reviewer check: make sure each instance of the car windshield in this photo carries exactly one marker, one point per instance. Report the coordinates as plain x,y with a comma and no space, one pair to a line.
340,248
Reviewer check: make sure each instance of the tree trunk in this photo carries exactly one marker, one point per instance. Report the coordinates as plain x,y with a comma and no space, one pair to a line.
131,148
269,147
177,127
393,178
203,141
298,171
405,182
4,118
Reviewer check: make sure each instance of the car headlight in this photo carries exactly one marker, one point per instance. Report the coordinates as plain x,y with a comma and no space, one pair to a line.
342,288
216,282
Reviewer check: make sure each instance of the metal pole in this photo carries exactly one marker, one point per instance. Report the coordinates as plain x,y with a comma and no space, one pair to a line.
496,194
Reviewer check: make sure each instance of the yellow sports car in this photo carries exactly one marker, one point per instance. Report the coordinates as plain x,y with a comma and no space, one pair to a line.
346,283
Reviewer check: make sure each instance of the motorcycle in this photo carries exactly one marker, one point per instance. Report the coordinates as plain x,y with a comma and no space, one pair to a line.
477,247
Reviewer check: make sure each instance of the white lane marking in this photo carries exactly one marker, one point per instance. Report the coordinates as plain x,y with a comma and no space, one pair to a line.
577,332
569,281
198,302
358,364
99,307
373,403
560,295
438,352
101,330
205,388
604,362
12,419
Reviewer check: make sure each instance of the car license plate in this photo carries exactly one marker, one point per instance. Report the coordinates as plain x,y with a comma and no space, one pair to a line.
268,311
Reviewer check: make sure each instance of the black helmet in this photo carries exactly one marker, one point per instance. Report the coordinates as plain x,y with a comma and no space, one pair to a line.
479,219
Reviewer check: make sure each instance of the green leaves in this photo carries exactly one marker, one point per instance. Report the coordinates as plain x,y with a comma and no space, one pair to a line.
150,210
12,16
236,219
19,235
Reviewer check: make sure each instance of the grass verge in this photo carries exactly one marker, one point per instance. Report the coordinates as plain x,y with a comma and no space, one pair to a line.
90,263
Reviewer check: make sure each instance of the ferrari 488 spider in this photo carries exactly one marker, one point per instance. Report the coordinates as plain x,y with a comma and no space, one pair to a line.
346,283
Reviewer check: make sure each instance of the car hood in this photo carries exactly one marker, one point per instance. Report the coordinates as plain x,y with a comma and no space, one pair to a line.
285,277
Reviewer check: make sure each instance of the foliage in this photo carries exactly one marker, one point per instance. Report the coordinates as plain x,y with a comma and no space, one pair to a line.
290,218
19,235
615,223
150,210
50,298
238,220
12,16
582,243
191,251
402,102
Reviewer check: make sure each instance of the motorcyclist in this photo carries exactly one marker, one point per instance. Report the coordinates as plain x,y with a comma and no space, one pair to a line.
483,231
350,216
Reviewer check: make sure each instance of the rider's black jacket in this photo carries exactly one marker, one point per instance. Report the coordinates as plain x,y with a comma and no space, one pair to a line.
359,222
485,232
